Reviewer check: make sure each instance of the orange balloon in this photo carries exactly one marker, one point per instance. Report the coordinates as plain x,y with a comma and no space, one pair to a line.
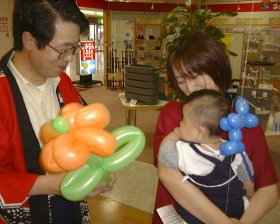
71,150
69,153
47,132
69,111
95,115
101,142
47,160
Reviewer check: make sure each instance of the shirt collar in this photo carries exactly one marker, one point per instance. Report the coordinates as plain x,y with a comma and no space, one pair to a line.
18,75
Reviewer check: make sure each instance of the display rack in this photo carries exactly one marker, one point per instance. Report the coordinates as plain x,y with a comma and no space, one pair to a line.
263,56
147,44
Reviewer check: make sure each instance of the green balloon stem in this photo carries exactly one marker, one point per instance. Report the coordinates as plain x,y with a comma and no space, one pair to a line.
78,183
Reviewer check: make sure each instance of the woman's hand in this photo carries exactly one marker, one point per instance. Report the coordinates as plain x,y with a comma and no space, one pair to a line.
263,200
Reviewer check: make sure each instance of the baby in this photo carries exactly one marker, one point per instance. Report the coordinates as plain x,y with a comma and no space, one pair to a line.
193,148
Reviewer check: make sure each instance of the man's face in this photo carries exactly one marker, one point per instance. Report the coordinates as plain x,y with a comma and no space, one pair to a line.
45,62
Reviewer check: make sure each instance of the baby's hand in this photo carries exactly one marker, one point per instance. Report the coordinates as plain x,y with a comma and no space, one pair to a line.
235,221
177,132
173,136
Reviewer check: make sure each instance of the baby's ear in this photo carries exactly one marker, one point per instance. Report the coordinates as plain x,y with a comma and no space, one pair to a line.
202,133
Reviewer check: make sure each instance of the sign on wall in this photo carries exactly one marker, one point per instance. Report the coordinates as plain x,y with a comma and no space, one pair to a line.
249,19
5,27
87,58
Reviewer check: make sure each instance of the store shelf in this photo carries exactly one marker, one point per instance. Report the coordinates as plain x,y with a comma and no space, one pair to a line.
260,63
147,44
264,53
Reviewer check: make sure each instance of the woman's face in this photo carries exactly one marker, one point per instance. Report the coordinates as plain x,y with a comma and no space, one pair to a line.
192,83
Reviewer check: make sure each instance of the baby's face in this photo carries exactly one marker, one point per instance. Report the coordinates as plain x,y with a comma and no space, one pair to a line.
188,126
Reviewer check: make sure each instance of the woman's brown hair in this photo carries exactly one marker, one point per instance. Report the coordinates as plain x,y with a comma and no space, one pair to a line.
199,53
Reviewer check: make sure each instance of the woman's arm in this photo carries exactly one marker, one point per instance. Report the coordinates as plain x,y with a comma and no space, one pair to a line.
263,200
169,118
265,177
191,198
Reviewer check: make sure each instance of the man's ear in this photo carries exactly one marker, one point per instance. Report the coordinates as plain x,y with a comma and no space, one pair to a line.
28,40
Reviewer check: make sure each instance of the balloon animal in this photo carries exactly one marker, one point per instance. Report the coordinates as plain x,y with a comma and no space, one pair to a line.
75,142
233,123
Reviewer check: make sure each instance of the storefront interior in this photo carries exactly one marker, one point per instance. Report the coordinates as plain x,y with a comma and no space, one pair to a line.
127,33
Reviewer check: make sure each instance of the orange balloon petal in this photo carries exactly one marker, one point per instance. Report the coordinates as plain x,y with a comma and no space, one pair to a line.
101,142
47,132
95,115
69,111
47,161
69,153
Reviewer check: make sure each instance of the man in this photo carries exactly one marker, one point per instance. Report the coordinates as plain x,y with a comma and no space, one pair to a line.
33,87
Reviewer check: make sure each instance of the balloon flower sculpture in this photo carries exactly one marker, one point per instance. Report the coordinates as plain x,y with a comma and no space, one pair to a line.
75,142
233,123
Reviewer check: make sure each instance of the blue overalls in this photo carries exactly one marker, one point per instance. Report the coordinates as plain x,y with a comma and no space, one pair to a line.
228,197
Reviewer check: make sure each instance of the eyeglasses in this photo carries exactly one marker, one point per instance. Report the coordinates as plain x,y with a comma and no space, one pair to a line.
68,51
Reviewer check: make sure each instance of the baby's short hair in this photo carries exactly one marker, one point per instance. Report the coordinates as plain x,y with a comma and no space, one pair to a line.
208,107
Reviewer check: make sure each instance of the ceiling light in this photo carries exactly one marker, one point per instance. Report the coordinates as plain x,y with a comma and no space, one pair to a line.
92,13
238,7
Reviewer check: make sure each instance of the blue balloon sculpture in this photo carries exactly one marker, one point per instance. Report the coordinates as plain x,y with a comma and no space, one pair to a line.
233,123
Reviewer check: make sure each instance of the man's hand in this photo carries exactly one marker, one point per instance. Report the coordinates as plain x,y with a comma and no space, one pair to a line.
103,187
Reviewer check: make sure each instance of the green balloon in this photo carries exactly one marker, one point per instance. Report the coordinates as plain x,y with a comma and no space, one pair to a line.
60,125
80,182
130,144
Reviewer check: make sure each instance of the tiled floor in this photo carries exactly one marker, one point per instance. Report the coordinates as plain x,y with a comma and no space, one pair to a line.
132,199
136,186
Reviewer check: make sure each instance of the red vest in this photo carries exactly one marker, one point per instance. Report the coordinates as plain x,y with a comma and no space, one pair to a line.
19,147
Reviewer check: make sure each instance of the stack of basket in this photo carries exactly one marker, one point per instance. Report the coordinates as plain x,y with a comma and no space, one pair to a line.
142,84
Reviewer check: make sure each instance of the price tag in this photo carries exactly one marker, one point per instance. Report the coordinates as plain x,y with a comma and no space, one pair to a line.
169,215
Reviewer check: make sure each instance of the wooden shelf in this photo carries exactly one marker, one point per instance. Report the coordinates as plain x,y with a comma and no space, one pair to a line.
260,63
147,49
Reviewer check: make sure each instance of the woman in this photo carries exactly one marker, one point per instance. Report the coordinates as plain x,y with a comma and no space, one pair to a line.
196,62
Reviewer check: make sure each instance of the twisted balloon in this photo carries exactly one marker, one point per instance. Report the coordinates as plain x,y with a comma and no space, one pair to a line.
233,123
75,142
73,135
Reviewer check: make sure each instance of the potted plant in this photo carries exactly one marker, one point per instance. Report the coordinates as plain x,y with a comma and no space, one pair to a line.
184,19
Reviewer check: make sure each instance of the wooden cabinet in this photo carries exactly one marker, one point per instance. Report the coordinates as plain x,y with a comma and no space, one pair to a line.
147,44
